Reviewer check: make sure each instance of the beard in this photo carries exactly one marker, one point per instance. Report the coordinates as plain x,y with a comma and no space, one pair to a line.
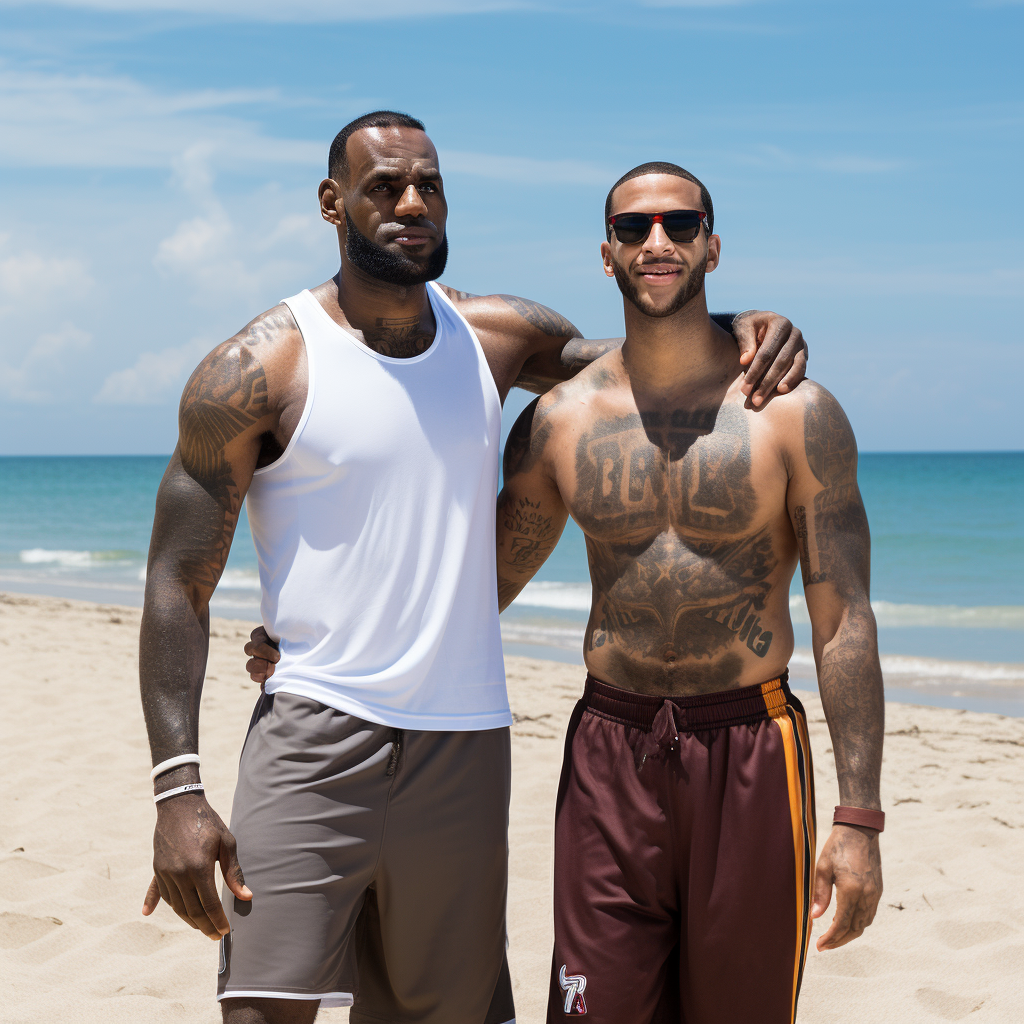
392,267
631,290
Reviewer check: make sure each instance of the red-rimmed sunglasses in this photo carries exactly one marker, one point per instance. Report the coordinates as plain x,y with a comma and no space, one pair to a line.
679,225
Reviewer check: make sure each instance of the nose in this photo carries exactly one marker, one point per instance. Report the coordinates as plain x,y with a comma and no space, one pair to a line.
657,242
411,204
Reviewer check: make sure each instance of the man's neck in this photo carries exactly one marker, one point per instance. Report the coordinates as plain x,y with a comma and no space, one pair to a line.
671,356
394,320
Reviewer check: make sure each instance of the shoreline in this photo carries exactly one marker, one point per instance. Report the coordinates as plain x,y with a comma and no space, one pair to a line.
76,820
992,687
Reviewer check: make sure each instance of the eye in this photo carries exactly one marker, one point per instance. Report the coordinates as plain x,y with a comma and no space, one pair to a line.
381,186
428,186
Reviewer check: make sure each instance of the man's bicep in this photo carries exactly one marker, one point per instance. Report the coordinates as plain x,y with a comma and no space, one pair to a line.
543,334
223,403
531,514
530,520
223,408
828,517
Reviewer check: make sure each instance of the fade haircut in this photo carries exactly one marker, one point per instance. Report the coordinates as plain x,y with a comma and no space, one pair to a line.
337,159
660,167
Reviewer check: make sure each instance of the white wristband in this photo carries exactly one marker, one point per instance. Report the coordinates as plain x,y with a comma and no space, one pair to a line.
192,787
173,762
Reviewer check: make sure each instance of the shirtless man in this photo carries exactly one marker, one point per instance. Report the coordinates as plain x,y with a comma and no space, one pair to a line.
684,842
362,420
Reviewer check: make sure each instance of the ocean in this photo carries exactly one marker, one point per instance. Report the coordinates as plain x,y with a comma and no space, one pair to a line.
947,565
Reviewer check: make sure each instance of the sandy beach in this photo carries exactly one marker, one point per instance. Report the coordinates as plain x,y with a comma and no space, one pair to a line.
77,815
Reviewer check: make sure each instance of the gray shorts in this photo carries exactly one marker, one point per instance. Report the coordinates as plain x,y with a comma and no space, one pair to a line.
378,862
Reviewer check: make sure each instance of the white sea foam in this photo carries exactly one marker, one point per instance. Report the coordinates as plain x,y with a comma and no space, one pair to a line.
945,616
576,597
74,559
239,579
567,637
567,596
233,579
897,669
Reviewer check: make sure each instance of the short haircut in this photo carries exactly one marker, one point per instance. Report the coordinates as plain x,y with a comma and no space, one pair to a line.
337,159
660,167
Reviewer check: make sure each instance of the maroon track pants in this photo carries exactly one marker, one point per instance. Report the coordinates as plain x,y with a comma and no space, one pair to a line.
684,858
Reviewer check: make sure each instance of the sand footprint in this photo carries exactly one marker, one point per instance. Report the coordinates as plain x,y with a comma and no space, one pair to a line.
948,1006
962,934
137,938
18,930
16,871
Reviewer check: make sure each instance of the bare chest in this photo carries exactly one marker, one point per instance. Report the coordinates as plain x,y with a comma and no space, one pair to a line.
692,472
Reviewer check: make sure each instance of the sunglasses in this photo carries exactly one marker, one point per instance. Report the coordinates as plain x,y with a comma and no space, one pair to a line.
679,225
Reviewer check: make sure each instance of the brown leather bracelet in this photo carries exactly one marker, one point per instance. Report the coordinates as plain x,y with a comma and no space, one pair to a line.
860,816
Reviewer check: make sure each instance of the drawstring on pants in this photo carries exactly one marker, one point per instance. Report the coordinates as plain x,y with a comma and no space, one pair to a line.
664,735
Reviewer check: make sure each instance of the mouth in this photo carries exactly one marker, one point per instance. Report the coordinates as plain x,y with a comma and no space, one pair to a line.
661,274
411,238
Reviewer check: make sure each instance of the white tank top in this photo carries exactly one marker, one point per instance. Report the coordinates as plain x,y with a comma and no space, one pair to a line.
375,531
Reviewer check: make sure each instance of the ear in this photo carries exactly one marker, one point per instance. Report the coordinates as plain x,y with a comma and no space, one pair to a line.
332,205
606,258
714,253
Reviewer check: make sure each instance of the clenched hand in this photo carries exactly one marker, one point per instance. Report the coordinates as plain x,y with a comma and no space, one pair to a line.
263,655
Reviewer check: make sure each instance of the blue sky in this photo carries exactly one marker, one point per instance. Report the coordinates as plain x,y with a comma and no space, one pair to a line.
159,165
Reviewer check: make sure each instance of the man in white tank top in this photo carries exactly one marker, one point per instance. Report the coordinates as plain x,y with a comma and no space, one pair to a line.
362,418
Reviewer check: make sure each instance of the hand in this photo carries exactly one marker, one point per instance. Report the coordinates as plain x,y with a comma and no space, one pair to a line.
774,352
190,839
850,860
263,655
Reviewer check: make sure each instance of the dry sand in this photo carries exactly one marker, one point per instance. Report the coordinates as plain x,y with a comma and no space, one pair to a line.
77,815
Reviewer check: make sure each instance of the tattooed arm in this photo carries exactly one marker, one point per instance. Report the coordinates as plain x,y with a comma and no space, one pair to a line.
223,416
832,536
531,513
532,347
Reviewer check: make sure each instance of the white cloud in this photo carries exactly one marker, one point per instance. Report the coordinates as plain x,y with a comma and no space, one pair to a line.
44,364
53,120
155,377
221,259
28,277
296,10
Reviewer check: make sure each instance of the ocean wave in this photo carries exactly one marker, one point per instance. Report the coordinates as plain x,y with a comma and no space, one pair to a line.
233,579
896,668
576,597
567,596
933,669
943,616
76,559
568,638
239,579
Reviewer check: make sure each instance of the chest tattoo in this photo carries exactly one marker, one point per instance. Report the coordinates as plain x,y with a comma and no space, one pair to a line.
680,569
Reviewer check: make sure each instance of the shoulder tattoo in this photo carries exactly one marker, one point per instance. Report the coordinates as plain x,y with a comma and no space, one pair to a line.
542,317
225,396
